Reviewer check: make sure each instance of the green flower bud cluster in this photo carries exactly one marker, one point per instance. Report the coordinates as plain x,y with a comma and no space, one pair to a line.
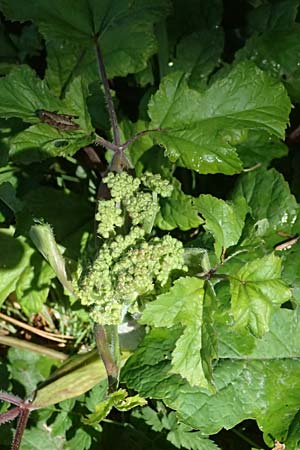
121,185
128,266
157,184
109,216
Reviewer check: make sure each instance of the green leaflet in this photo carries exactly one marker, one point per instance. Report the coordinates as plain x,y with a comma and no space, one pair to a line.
183,305
200,131
224,220
263,385
256,290
273,207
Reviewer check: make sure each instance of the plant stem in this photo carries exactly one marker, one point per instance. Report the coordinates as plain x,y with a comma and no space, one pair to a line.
107,340
106,144
108,97
163,49
137,136
22,421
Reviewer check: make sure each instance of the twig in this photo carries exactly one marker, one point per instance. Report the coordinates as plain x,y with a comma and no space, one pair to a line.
137,136
108,97
106,144
45,334
18,343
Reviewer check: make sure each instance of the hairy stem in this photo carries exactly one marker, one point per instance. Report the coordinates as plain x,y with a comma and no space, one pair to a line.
106,144
108,97
137,136
23,418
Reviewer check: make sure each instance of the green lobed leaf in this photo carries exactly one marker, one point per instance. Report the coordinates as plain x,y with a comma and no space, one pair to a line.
273,366
183,305
256,290
273,207
125,29
224,220
200,131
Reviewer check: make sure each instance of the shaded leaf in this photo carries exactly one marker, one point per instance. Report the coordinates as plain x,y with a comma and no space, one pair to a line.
178,211
277,52
14,259
33,285
198,54
273,207
273,15
259,148
125,29
81,441
29,368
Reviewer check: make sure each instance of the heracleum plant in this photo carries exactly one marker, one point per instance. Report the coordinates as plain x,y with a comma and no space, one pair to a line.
207,283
